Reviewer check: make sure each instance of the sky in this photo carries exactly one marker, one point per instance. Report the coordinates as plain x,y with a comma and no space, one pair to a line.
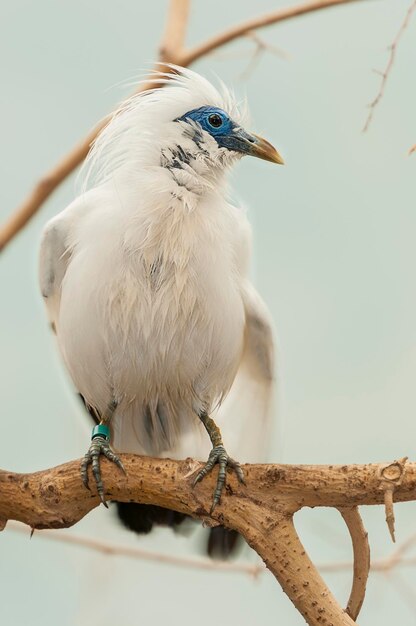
334,259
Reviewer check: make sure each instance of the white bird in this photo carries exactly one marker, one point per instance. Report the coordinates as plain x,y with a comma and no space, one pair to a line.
145,280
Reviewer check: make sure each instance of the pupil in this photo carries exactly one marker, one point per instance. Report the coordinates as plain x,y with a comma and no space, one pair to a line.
215,120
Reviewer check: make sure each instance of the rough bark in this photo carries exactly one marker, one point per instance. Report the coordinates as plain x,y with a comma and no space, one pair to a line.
262,511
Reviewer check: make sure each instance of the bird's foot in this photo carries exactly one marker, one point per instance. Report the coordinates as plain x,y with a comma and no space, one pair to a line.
100,445
219,455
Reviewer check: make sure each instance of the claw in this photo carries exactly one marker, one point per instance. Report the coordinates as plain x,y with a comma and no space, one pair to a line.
111,456
99,445
84,470
219,455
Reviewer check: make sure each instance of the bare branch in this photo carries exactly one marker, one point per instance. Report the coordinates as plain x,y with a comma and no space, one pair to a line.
394,560
361,552
172,46
267,46
240,30
47,185
60,499
386,73
262,512
113,549
260,48
405,590
391,477
171,51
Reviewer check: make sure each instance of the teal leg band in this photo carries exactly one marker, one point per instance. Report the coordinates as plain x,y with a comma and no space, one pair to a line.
101,430
99,447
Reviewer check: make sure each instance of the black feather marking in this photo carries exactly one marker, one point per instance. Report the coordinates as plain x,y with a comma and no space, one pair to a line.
175,158
222,542
148,422
90,409
141,518
159,418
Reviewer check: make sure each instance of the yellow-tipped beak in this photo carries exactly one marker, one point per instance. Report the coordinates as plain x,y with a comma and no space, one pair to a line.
262,149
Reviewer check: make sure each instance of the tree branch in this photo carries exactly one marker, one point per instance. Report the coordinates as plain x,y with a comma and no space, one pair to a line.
172,46
387,71
262,512
241,30
171,51
113,549
361,552
384,565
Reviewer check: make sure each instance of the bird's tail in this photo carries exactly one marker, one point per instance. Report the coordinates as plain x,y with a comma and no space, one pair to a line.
223,543
140,518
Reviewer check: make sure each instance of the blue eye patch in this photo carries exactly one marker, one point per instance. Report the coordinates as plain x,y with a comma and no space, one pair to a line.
212,119
224,130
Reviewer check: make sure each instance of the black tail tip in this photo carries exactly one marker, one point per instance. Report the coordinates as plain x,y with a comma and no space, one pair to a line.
140,518
222,542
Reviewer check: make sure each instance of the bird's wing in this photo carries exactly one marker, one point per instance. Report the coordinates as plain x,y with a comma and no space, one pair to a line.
55,255
245,417
246,414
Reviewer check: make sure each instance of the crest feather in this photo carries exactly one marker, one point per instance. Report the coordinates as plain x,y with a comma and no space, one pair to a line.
137,126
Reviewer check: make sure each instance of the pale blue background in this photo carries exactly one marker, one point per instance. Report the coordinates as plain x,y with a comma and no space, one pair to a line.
335,259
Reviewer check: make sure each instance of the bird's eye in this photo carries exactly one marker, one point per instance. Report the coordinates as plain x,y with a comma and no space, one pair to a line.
215,120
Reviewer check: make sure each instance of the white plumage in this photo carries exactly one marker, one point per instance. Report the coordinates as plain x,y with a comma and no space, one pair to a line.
145,280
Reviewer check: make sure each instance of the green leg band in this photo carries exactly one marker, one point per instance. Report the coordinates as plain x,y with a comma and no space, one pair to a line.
101,430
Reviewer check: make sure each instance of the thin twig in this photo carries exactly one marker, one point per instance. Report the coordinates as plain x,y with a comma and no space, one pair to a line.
391,477
113,549
261,46
240,30
388,505
404,589
386,73
396,559
176,28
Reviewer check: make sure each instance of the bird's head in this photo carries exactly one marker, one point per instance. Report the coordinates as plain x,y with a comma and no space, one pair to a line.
208,124
186,126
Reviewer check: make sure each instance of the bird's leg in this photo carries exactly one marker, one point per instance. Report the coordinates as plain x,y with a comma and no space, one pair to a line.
100,444
218,455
